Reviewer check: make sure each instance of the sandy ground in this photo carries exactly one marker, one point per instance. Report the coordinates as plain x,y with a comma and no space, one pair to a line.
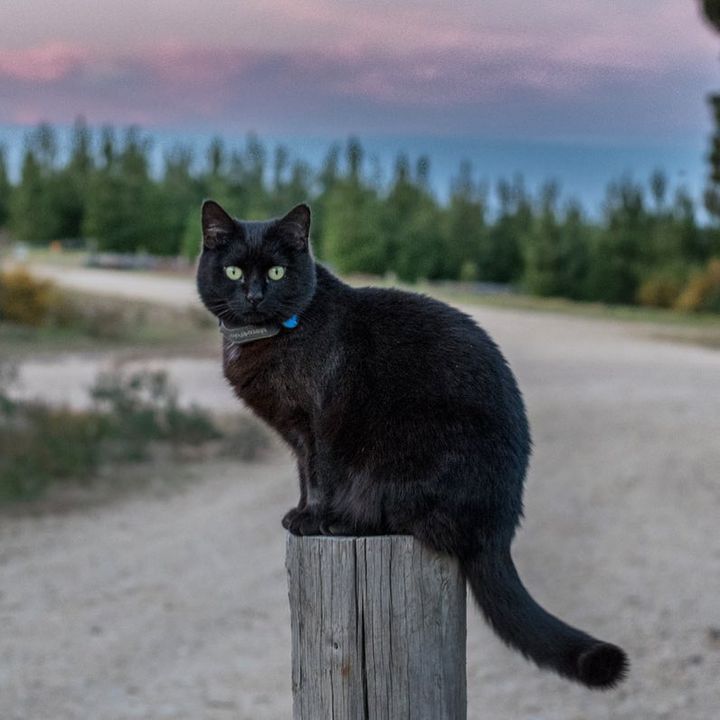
167,289
172,603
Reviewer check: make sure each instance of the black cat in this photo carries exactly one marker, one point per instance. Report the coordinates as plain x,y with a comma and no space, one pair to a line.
403,414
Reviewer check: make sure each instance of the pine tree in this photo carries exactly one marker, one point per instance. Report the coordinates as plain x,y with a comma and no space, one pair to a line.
711,10
214,180
101,208
576,238
239,183
694,245
616,264
180,195
541,244
556,250
5,189
36,207
298,187
26,202
256,199
325,182
352,240
280,167
411,224
71,182
191,240
291,183
500,258
125,212
464,229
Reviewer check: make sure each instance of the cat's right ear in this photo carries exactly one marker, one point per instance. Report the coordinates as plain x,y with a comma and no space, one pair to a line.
217,226
295,226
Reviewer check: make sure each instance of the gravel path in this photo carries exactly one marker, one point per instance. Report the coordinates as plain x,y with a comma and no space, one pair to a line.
173,604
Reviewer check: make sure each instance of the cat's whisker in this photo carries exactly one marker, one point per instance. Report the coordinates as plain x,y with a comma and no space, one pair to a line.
220,309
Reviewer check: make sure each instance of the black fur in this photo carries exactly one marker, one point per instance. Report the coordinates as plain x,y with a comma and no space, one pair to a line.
404,417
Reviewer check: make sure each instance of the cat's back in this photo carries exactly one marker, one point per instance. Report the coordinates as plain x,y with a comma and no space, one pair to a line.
418,345
398,319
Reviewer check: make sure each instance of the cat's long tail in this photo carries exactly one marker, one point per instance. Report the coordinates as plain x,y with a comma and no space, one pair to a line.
537,634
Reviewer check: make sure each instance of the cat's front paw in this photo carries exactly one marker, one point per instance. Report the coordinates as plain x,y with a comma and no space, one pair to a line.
288,517
305,521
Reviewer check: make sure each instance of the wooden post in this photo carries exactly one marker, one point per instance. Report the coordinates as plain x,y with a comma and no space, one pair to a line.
378,630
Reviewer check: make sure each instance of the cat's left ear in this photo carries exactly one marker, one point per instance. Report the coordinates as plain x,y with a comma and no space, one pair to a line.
295,227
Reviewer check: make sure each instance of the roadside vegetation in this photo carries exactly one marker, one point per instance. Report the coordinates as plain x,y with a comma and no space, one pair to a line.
130,417
669,324
37,316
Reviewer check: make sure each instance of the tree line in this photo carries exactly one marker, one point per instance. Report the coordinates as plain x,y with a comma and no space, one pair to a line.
645,245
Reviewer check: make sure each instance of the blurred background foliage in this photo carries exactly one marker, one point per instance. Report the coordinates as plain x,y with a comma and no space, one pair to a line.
645,245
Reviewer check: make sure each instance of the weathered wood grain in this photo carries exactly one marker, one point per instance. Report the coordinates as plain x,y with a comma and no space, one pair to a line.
378,630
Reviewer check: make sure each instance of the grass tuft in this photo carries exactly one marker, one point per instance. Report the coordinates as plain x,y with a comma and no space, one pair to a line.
41,444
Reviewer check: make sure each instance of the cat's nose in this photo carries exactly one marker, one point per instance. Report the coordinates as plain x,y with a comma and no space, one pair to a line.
254,296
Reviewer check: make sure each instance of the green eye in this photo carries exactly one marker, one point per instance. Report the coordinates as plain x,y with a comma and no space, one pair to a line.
276,272
233,272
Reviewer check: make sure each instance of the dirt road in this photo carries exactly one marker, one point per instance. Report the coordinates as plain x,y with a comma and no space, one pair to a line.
172,604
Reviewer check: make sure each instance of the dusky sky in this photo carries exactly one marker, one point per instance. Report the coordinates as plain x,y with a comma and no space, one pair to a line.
550,70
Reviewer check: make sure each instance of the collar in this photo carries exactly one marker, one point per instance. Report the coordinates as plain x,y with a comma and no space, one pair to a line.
250,333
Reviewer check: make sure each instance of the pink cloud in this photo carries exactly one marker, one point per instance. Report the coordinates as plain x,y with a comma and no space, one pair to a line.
178,64
355,89
644,34
44,63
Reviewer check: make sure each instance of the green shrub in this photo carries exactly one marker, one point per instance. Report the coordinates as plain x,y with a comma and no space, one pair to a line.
40,444
24,299
702,293
660,290
468,271
143,407
8,374
97,317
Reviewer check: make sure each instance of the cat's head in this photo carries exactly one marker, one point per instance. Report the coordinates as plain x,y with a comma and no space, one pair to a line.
255,272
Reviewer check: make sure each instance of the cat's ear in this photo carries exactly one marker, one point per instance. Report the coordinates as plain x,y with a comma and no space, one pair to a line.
295,227
217,226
